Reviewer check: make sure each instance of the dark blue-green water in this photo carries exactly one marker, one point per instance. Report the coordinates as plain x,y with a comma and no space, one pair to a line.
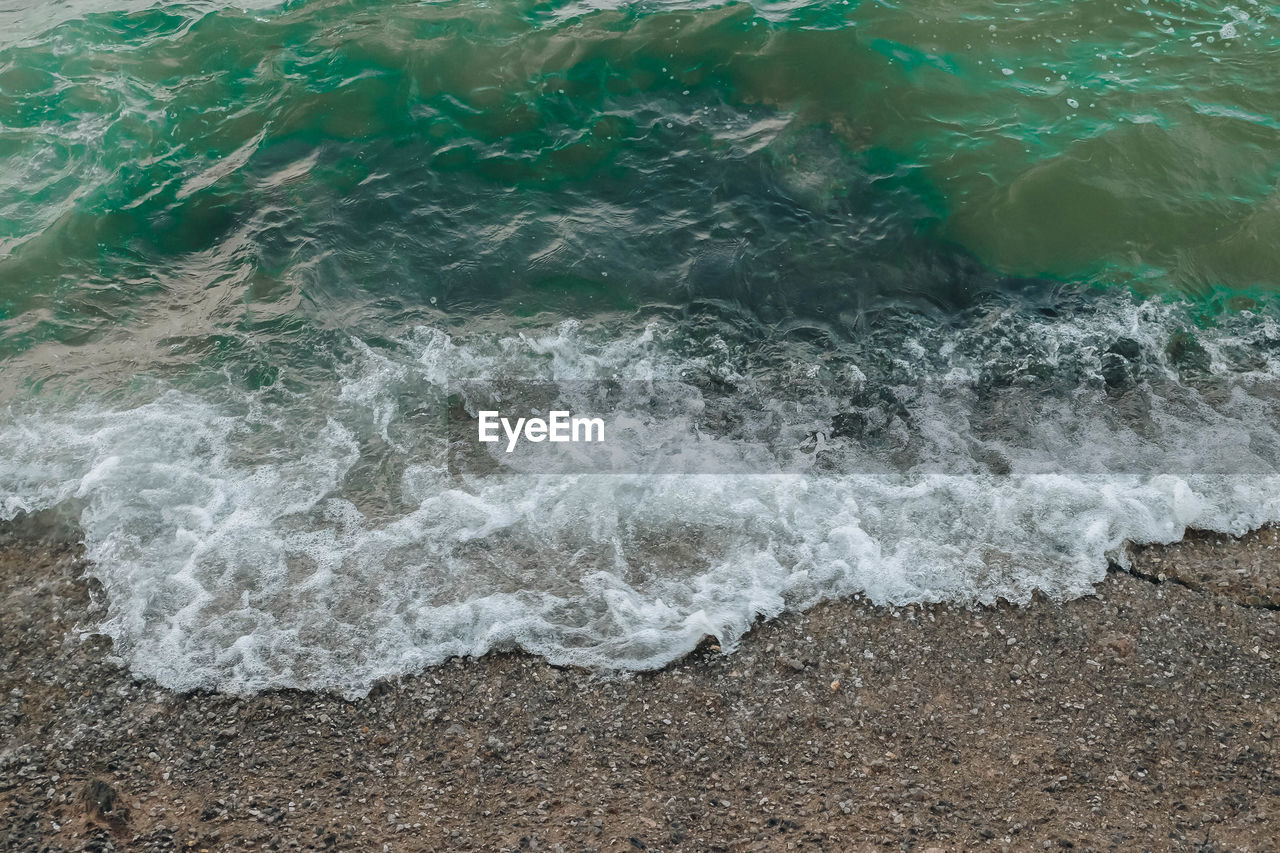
918,301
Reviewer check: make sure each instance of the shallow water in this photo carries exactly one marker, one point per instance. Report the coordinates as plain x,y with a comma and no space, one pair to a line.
934,302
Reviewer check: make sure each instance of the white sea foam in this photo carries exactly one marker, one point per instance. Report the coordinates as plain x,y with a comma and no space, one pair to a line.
249,540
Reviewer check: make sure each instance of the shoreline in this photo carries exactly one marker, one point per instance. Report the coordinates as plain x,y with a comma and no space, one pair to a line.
1143,716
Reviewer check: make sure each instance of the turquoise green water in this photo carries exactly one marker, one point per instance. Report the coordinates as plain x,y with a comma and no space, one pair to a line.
1015,262
268,141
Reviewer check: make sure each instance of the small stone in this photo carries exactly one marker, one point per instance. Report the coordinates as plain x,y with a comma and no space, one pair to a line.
1121,645
103,803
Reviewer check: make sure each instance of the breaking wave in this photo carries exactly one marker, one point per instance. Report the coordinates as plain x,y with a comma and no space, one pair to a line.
319,538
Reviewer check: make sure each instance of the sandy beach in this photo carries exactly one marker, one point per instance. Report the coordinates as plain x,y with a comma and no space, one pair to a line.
1143,717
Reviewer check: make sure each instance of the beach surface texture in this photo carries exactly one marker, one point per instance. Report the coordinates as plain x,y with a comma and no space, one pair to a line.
1141,717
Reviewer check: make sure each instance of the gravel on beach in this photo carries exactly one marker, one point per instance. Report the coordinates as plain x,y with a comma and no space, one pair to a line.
1142,717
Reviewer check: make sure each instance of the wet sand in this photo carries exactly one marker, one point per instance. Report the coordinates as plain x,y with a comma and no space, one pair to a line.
1143,717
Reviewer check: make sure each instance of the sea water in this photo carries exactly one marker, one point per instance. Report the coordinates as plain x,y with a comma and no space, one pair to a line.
939,301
